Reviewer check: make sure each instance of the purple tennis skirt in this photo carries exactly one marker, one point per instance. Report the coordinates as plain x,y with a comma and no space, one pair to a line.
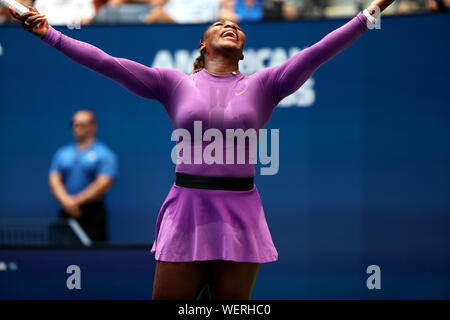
203,224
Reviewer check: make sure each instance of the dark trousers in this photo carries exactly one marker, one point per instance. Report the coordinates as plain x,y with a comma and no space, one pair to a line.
93,220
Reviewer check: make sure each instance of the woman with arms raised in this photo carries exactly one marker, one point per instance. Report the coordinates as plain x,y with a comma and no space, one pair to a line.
211,229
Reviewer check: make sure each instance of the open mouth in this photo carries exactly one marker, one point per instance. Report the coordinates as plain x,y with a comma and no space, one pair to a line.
230,34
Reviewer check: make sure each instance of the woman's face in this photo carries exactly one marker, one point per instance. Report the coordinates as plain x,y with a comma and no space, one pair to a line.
223,35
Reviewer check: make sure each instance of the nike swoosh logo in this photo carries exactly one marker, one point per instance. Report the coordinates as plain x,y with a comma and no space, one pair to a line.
238,94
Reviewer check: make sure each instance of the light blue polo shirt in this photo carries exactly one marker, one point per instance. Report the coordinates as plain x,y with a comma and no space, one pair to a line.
252,13
80,168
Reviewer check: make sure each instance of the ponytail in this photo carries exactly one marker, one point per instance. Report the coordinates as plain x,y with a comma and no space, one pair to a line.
199,64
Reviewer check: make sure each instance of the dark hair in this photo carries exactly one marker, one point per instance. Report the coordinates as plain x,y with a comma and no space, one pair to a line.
199,63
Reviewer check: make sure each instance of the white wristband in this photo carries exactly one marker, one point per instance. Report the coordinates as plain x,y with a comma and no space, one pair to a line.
371,19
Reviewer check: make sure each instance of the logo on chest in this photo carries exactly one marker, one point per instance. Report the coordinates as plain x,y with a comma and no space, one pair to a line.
91,156
239,93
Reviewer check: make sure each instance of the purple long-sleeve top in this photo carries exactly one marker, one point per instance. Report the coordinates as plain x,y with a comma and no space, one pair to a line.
220,102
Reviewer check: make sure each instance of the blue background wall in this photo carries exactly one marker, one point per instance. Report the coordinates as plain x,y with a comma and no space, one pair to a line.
364,170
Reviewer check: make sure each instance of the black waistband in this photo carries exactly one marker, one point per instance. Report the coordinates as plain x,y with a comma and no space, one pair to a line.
215,183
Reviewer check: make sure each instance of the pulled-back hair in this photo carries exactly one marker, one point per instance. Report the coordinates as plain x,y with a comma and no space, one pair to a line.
199,62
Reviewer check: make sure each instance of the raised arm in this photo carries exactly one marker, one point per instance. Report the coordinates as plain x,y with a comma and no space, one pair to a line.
288,77
285,79
151,83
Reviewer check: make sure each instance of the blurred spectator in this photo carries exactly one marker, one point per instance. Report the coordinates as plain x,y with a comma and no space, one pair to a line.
341,8
67,12
79,12
291,9
5,17
295,9
249,10
438,5
227,10
115,3
184,11
98,4
273,9
241,10
407,6
312,8
158,14
123,11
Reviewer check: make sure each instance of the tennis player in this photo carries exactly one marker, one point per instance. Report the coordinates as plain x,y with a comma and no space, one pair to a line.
211,231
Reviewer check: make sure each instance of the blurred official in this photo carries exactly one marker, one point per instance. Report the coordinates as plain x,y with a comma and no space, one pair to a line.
81,173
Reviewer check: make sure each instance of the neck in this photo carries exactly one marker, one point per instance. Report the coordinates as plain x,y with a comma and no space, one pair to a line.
85,143
221,65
